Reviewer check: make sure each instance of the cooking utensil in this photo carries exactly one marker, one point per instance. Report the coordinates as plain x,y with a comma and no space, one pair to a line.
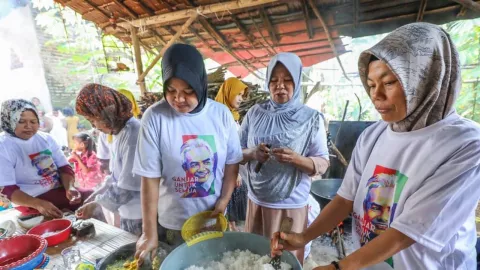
259,165
324,190
211,246
61,227
127,252
285,227
22,252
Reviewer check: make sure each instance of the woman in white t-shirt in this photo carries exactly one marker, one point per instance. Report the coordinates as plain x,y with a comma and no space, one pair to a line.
188,152
412,184
111,113
288,140
34,171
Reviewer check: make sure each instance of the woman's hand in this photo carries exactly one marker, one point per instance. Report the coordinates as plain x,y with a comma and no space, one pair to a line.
86,211
285,155
261,154
292,241
220,207
74,196
146,246
46,208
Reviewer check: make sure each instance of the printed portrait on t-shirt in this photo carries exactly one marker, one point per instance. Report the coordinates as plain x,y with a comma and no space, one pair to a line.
383,191
199,161
46,168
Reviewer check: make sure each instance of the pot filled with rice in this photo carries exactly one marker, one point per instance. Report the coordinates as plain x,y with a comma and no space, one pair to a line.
226,251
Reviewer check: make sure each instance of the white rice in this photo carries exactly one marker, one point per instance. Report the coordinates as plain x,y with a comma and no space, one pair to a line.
240,260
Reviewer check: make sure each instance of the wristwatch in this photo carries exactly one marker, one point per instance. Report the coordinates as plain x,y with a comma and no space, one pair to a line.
337,267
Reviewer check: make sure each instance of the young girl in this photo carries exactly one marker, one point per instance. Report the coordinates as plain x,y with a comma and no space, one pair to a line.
88,174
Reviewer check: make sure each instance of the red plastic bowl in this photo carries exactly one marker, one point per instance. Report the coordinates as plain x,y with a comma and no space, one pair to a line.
63,227
20,250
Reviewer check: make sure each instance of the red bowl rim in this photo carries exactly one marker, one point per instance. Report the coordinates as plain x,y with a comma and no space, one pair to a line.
51,221
41,249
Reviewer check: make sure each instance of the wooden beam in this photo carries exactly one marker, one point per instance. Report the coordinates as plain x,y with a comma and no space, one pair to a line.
242,29
269,26
204,41
462,12
130,12
170,42
138,60
261,34
469,4
147,10
329,37
159,37
206,10
224,45
308,23
94,7
171,32
191,3
421,10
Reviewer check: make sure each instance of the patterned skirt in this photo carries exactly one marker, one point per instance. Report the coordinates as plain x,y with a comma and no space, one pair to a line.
237,207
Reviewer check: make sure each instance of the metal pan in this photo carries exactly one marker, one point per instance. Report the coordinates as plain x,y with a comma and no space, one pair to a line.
324,190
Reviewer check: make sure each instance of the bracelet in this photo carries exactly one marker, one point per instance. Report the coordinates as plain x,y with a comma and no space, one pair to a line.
337,267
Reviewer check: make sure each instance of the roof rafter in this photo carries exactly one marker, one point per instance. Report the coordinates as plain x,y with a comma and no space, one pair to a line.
268,24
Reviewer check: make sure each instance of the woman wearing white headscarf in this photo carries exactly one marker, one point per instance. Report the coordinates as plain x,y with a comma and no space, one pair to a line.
289,140
412,183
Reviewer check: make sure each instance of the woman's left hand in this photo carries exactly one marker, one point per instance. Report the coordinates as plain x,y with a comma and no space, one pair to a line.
285,155
239,181
74,196
220,207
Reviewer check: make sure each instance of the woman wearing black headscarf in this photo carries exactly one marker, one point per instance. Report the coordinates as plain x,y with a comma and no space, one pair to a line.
191,143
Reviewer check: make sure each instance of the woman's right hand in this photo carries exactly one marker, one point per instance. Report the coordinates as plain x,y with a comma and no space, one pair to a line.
262,153
146,246
292,241
86,211
47,209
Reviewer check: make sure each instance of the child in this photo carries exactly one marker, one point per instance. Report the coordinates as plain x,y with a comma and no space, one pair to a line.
87,167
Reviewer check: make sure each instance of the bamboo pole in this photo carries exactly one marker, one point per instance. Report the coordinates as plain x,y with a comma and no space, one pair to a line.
469,4
206,10
421,10
329,37
138,60
170,42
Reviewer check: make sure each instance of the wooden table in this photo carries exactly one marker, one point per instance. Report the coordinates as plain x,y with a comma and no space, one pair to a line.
107,239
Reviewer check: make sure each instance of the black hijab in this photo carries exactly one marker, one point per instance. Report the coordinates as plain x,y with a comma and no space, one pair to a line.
185,62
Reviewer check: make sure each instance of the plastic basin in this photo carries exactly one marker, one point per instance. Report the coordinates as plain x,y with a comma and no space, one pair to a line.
62,227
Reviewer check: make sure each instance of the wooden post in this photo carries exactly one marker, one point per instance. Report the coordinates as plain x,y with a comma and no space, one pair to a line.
138,60
469,4
329,37
421,10
170,42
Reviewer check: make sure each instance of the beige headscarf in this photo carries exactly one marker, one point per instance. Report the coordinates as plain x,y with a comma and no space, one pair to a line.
426,62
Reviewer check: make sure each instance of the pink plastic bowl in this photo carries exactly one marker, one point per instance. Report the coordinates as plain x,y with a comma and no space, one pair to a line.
63,227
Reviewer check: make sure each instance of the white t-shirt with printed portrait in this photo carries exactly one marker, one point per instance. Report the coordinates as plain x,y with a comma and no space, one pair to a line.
425,184
189,152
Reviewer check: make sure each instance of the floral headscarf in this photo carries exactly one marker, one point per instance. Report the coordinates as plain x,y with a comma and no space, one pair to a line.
11,112
228,92
426,62
95,100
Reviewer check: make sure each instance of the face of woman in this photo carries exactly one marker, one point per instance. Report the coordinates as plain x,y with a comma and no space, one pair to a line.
99,124
237,100
281,84
386,92
181,96
27,126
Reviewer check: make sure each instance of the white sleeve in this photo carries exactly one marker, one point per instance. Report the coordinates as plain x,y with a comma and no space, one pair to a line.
57,153
148,157
318,147
127,179
435,212
103,149
353,175
7,177
234,149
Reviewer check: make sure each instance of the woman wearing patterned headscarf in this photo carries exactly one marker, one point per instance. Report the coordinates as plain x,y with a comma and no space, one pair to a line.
191,143
411,185
34,172
231,94
111,113
288,140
